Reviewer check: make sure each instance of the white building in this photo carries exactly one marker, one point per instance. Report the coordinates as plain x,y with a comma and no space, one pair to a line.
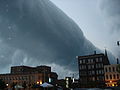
112,76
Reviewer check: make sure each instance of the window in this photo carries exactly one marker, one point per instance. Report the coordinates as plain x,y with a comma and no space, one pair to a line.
114,76
106,69
93,72
96,65
93,78
89,61
100,71
99,65
109,69
97,78
92,60
84,67
83,60
93,66
113,69
90,72
102,65
81,66
89,66
100,59
97,60
110,76
117,76
97,72
80,61
106,76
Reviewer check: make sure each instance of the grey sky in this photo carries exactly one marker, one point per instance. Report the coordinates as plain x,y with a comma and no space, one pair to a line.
37,32
34,32
91,18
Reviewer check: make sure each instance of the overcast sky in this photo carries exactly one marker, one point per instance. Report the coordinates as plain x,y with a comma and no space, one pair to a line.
94,19
36,32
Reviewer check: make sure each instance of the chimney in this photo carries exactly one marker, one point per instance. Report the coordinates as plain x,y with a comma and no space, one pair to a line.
117,61
94,52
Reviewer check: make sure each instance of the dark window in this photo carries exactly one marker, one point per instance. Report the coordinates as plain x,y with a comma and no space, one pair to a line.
106,70
100,59
91,60
117,76
113,69
93,66
106,76
109,69
114,76
97,60
83,60
110,76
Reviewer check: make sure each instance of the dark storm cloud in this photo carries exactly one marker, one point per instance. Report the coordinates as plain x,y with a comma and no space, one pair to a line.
37,29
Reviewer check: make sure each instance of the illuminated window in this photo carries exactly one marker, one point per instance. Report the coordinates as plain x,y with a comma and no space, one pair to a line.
50,80
40,81
37,82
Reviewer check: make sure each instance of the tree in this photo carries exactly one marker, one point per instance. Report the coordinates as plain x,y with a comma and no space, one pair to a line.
2,85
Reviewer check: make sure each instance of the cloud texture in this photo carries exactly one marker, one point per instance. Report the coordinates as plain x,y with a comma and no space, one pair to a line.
34,32
110,10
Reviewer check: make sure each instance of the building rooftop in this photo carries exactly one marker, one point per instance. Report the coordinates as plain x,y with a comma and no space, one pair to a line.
92,55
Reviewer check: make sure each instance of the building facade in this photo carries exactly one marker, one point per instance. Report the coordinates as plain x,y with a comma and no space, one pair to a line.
112,75
91,70
29,76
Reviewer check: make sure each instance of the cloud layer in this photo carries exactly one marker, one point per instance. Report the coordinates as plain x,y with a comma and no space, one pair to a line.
34,32
110,10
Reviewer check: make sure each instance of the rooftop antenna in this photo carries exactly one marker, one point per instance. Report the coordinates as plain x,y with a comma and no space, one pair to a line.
95,52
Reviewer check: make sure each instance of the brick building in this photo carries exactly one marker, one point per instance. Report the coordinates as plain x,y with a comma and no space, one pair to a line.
91,70
30,76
